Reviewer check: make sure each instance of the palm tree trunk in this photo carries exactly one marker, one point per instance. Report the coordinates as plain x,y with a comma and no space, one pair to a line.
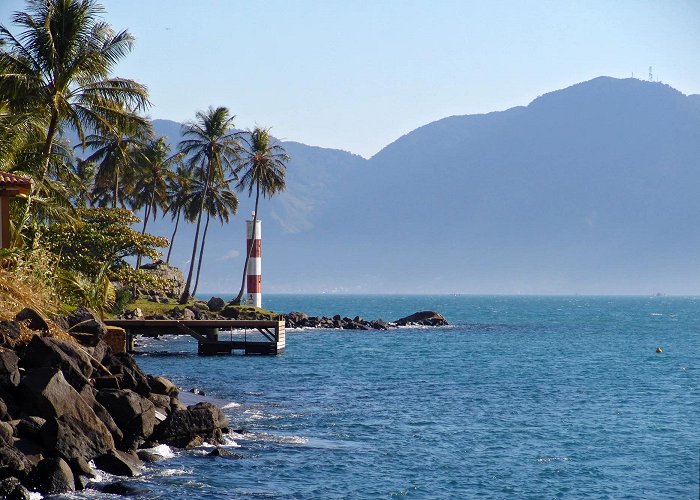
115,197
172,238
50,134
238,298
146,215
186,293
201,253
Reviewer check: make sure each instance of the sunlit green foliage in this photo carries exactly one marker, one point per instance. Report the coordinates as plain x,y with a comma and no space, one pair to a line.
99,236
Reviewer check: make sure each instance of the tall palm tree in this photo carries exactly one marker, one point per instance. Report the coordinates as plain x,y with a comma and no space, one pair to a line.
60,65
152,173
179,199
264,168
113,150
211,146
219,202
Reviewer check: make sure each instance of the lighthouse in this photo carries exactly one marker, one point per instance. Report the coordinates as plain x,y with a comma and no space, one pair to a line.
254,271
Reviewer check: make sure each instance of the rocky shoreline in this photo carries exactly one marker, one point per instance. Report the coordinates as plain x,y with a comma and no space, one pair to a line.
67,401
217,308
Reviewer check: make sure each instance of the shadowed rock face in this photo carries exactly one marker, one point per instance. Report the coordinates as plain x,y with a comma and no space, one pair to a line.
423,318
54,419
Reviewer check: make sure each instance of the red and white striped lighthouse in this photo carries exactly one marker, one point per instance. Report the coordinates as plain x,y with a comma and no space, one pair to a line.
254,271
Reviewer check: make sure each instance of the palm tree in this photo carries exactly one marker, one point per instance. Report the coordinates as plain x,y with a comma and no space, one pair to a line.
219,202
60,66
179,199
210,146
264,168
113,151
153,173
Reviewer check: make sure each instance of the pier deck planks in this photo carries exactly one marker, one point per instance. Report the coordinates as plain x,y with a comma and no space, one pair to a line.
208,333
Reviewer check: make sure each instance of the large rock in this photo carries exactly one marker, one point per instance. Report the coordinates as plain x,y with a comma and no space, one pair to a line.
172,276
13,463
161,385
119,463
83,321
88,394
9,332
70,421
32,319
423,318
9,369
216,304
49,352
12,489
134,414
130,375
72,438
203,420
55,476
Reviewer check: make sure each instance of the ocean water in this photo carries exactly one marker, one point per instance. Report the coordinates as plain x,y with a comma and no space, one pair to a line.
522,397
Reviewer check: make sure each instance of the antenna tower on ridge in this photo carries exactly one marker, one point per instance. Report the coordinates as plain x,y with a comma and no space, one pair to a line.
651,78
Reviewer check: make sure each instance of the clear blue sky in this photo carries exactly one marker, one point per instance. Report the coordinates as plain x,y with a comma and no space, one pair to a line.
356,75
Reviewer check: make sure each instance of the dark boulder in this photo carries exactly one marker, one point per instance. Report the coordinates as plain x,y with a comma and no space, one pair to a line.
32,319
9,369
9,332
6,434
71,437
378,324
54,476
72,428
123,489
203,420
216,304
296,320
49,352
13,463
423,318
32,450
223,453
119,463
29,427
131,376
149,456
161,385
107,419
84,321
133,413
11,489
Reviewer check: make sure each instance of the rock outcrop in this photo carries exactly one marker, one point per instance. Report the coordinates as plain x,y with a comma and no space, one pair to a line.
423,318
67,401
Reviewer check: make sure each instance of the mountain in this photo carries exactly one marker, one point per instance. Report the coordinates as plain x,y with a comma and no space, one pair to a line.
589,189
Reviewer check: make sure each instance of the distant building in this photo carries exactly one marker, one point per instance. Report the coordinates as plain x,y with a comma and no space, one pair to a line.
11,186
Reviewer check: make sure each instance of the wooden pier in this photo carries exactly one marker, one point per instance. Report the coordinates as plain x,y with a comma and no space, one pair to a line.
219,336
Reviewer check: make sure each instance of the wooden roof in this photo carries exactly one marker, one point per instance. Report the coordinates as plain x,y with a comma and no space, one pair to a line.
14,185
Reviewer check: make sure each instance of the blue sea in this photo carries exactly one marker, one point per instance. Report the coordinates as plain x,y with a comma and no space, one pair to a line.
521,397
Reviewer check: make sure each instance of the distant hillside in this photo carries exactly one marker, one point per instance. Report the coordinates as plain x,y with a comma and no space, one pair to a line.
589,189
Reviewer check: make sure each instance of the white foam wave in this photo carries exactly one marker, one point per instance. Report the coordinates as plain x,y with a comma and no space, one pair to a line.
173,472
230,442
276,438
232,404
163,450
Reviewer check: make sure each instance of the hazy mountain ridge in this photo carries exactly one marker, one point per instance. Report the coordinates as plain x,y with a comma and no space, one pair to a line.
589,189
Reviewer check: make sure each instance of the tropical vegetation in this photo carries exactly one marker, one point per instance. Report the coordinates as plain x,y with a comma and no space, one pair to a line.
81,135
